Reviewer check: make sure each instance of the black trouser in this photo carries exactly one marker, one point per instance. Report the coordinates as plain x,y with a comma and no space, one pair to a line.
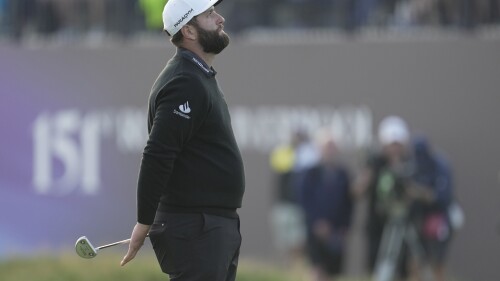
196,246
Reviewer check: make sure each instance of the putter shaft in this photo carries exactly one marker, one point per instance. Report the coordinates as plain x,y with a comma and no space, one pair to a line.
126,241
114,244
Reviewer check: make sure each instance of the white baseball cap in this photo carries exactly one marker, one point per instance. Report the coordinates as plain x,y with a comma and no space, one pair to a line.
393,129
177,13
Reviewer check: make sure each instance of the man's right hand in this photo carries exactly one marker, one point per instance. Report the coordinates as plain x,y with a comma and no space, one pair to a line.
137,238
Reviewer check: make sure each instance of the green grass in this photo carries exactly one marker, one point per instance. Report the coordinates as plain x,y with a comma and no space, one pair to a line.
105,267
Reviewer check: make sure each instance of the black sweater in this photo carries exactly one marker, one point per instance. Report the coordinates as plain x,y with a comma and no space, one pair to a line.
191,161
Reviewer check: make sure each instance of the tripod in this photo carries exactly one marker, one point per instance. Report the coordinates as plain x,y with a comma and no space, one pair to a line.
398,229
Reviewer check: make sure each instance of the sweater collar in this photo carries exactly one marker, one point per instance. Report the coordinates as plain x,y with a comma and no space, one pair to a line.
199,62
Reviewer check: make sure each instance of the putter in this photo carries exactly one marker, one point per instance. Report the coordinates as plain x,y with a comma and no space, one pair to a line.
85,249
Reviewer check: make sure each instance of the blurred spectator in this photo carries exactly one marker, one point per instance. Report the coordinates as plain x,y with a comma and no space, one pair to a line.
247,14
374,12
3,14
306,152
380,179
425,13
152,10
363,11
487,11
434,194
317,13
47,18
240,14
20,17
472,13
89,16
83,18
121,17
325,196
286,216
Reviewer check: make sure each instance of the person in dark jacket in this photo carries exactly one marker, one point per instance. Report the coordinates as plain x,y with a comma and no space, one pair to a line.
434,190
191,179
386,171
325,195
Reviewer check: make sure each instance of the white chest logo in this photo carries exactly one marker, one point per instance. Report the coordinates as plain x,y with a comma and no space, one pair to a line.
184,108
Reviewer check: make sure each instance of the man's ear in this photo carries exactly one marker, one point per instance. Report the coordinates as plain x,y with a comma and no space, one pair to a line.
189,32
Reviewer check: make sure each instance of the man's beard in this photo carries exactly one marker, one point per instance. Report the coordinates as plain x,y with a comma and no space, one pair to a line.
212,41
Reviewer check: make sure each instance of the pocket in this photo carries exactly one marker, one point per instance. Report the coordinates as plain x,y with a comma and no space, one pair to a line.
157,228
185,226
155,232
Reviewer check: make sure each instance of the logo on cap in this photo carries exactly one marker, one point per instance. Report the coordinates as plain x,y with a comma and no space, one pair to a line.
183,17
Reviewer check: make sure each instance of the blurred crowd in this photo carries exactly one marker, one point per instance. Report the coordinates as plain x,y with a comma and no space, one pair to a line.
72,19
412,211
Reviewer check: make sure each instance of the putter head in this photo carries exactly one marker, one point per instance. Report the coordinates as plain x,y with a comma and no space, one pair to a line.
84,248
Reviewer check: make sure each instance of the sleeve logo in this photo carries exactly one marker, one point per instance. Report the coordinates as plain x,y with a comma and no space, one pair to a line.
184,110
